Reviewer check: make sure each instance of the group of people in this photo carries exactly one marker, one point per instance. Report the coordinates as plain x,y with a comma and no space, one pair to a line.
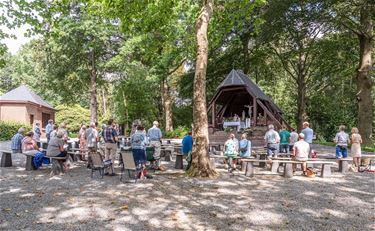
234,148
296,145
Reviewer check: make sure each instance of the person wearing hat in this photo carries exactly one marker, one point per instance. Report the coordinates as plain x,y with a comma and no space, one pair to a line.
301,150
17,141
154,136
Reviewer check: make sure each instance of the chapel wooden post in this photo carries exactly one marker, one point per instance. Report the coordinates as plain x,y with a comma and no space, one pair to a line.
255,111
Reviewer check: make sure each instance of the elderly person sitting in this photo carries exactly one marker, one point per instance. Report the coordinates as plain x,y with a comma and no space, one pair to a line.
231,151
16,144
56,145
301,150
29,144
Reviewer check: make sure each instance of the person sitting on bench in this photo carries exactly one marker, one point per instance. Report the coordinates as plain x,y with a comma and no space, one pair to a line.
56,145
231,151
29,144
301,152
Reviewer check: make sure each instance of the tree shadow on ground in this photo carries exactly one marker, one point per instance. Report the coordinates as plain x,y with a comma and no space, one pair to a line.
35,201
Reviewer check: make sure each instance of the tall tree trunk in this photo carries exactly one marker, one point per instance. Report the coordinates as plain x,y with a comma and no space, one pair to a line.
93,99
301,102
301,92
104,101
167,105
364,81
245,38
201,162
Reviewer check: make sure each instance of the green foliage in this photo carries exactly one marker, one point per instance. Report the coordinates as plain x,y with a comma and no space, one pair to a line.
8,129
179,132
72,115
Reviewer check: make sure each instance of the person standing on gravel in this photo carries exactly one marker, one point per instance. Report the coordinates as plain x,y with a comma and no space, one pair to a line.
292,139
154,136
110,138
91,141
309,134
16,144
49,129
342,140
284,140
272,140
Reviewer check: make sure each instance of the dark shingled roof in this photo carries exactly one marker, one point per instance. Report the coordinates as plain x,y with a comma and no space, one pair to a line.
24,93
238,78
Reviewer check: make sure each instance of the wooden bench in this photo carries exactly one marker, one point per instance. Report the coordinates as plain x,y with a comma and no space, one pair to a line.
288,166
6,158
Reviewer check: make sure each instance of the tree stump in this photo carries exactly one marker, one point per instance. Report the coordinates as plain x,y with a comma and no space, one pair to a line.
6,159
179,162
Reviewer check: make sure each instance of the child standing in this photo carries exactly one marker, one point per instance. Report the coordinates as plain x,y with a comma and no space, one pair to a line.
356,147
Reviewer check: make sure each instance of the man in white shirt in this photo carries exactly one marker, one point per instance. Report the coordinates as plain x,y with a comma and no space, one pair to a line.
301,150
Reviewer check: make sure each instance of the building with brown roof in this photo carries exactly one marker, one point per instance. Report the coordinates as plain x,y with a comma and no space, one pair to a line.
23,105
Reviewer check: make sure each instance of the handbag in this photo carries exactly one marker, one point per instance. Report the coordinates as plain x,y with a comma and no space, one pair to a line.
244,149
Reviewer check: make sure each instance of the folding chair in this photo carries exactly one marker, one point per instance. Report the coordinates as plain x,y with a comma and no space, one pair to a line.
98,164
128,164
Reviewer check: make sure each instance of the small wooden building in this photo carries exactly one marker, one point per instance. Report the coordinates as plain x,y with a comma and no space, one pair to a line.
23,105
238,101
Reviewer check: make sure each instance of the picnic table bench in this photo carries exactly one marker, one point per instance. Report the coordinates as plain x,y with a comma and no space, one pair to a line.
288,166
6,158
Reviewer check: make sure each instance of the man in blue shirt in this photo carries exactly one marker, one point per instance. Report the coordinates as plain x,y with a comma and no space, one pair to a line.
49,129
309,134
17,141
154,136
187,147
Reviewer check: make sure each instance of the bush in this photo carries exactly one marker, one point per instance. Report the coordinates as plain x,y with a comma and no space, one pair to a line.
73,116
8,129
179,132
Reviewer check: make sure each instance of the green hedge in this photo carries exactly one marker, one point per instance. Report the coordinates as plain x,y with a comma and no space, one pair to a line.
8,129
179,132
73,116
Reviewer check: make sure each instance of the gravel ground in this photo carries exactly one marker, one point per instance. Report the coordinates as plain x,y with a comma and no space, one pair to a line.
171,201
